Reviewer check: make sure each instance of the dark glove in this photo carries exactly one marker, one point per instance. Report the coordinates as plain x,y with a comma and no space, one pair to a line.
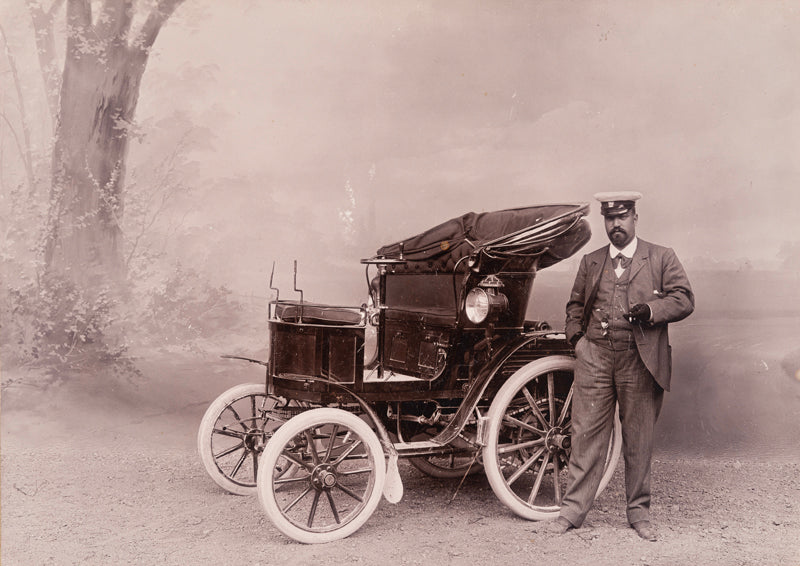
575,337
639,313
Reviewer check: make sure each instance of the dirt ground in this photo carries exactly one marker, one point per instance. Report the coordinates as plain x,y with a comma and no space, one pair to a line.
110,475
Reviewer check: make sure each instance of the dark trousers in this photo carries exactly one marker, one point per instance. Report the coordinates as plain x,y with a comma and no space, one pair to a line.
603,378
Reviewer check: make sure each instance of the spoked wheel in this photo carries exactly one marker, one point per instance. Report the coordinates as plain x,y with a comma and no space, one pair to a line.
234,431
528,446
446,466
321,475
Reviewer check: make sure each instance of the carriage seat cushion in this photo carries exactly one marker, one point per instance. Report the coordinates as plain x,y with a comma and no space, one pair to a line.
313,313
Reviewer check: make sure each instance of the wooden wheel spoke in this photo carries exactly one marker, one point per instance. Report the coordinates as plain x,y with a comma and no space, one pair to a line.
539,477
350,492
313,511
525,466
506,448
236,417
566,408
556,480
551,397
347,452
297,500
354,472
239,464
534,407
333,508
230,450
508,419
311,445
228,432
283,481
292,458
334,432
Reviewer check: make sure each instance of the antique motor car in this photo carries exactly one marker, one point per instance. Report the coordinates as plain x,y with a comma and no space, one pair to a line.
439,366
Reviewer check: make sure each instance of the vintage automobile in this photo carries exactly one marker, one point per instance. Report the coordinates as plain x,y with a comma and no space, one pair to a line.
439,366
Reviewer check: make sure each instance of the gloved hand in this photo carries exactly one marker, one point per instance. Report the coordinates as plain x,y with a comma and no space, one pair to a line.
639,313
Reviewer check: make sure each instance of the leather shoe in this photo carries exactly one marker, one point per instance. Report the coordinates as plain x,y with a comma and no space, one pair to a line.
559,526
645,530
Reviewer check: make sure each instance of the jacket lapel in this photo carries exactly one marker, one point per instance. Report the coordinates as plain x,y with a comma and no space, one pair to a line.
598,259
640,258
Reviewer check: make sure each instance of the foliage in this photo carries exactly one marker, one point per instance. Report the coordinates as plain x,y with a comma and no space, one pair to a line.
57,316
58,326
186,309
53,323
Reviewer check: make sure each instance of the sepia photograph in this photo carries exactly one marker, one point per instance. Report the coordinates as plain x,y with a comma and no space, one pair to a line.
458,282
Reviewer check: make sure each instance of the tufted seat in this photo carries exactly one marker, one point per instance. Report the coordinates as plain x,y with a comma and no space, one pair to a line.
313,313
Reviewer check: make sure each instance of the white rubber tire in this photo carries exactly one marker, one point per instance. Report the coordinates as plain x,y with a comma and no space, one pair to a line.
497,411
273,452
206,433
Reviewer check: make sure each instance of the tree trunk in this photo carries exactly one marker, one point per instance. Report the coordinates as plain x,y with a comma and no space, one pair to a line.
98,100
103,69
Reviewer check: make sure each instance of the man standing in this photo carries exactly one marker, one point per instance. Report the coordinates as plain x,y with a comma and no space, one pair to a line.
624,296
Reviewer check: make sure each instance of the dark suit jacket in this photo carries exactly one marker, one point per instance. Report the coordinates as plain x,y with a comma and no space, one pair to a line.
657,279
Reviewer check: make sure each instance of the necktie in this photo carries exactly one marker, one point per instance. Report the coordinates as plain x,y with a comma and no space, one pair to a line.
621,260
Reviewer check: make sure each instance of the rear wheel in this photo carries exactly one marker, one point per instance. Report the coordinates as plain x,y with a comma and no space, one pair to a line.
321,475
529,438
446,466
233,433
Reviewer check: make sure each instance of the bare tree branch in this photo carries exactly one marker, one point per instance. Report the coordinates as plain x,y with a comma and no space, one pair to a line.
46,51
79,13
54,8
25,151
16,137
160,14
115,19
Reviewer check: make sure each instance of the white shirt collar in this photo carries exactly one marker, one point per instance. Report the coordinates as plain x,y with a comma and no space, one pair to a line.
627,251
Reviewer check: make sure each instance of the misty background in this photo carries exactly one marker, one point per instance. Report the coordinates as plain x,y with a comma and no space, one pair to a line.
317,131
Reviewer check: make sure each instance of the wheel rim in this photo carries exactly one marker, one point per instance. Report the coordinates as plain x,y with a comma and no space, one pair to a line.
446,465
240,433
534,440
324,477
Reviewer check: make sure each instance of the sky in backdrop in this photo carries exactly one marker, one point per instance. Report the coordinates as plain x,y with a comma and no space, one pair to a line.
336,127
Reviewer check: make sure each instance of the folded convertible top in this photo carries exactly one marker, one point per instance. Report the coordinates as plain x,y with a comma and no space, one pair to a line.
530,237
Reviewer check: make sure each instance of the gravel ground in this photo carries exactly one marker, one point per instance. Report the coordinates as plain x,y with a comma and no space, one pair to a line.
98,476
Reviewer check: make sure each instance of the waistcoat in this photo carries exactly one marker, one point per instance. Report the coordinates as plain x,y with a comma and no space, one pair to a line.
607,325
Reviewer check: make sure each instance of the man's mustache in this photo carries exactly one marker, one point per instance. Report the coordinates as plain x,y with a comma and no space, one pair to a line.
618,231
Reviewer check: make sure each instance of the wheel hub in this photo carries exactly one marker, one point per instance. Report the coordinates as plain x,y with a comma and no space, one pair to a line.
556,440
323,477
255,439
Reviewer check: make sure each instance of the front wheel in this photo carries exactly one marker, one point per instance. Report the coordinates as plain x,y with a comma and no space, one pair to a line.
321,475
528,446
